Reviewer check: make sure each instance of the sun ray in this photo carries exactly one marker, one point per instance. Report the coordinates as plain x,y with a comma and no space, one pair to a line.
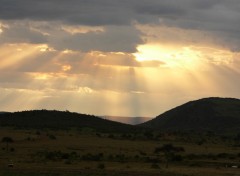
11,55
172,56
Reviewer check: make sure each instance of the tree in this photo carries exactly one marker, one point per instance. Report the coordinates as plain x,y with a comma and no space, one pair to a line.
169,152
7,140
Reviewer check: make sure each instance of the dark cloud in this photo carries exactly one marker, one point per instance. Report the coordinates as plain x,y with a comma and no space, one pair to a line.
111,12
165,8
112,39
90,12
21,33
220,17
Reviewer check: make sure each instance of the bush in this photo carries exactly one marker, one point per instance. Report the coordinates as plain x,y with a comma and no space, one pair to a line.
120,158
191,156
155,166
111,136
65,156
101,166
222,155
52,137
58,155
142,153
177,158
92,157
68,162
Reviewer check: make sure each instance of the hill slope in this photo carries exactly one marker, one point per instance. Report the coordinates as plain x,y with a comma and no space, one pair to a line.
3,112
208,114
60,120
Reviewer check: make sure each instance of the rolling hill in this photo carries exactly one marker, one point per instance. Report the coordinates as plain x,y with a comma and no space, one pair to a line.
219,115
60,120
2,112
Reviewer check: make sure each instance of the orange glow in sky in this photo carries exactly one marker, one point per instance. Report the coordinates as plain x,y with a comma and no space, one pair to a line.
171,56
117,58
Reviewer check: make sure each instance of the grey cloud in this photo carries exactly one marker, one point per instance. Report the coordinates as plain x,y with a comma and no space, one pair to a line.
9,78
21,33
220,17
205,4
166,8
108,12
91,12
113,39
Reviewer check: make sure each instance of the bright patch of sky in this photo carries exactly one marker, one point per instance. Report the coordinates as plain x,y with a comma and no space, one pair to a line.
122,58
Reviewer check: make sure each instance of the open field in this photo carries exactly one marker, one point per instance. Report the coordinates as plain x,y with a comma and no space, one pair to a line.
86,152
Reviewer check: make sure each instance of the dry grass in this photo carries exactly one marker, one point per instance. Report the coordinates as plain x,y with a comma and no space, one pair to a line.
29,143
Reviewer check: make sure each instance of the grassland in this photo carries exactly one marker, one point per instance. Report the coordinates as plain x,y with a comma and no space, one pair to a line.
78,152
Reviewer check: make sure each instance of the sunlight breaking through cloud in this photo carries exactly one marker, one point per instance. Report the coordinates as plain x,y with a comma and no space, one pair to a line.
118,57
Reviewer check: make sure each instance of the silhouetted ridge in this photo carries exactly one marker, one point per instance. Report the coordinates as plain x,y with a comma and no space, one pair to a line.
59,119
3,112
207,114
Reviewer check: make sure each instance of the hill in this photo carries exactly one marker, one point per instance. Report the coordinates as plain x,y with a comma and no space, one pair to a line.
60,120
2,112
218,115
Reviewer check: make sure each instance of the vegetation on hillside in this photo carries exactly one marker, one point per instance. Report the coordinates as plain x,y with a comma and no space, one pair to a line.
218,115
60,120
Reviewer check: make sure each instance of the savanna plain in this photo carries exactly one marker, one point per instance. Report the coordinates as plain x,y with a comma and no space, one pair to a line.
85,151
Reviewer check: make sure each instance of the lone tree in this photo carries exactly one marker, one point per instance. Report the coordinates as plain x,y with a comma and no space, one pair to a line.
7,140
169,152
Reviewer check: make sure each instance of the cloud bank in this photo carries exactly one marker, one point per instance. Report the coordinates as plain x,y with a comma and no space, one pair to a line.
220,17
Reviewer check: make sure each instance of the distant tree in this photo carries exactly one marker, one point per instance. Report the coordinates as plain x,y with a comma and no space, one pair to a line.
169,152
7,140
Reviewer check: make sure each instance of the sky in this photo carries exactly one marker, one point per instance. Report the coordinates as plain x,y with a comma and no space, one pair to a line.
117,57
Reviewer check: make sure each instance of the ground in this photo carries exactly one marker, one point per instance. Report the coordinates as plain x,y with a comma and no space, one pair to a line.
79,152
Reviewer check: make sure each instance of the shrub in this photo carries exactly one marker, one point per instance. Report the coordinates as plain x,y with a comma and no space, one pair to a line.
65,156
68,162
222,155
120,158
101,166
52,137
92,157
155,166
7,140
111,136
169,152
192,156
177,158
